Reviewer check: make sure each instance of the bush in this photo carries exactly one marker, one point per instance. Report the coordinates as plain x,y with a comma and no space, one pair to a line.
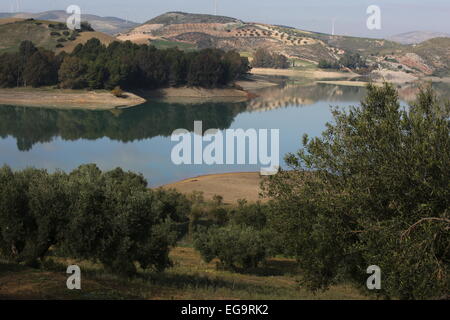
353,61
118,92
264,59
376,191
110,217
235,246
250,215
324,64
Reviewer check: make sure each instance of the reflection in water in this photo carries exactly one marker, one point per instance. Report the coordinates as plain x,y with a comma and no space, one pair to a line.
32,125
138,139
38,125
295,95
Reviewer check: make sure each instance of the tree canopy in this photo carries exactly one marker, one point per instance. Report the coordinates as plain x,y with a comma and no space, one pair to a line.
374,189
96,66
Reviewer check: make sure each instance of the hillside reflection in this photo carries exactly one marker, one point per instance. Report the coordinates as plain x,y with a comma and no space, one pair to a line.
39,125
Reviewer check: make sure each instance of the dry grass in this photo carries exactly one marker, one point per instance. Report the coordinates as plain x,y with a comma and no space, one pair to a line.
84,37
231,186
190,278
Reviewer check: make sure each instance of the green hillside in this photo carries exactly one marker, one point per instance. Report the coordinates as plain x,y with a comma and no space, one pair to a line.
49,35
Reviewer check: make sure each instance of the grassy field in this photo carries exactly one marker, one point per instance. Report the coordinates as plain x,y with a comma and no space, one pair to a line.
166,44
190,278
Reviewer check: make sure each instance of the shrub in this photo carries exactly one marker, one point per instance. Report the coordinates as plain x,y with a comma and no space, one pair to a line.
235,246
324,64
264,59
118,92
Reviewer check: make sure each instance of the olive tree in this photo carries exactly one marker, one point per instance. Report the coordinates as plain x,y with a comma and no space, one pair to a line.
374,189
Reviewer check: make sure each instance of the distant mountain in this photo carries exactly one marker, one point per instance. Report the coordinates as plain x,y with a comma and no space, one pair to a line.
109,25
178,17
416,37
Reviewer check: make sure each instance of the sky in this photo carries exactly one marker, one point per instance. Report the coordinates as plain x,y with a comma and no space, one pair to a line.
397,16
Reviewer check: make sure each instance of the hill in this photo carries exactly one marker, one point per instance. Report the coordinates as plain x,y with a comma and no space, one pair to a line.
201,31
416,37
46,34
182,18
109,25
389,59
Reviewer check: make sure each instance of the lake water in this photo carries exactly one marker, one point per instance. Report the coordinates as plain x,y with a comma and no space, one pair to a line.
138,139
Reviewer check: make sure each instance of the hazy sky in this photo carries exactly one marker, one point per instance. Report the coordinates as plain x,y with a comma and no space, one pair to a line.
397,15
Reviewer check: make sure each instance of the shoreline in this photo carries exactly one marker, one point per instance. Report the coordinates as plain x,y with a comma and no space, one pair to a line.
67,99
47,97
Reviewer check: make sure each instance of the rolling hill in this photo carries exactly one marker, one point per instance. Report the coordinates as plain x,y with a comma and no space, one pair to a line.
109,25
46,34
187,30
416,37
203,31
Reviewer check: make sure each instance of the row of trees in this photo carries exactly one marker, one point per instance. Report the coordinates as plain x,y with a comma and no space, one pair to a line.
96,66
265,59
110,217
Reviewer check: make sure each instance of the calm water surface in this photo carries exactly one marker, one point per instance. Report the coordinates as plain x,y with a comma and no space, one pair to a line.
138,139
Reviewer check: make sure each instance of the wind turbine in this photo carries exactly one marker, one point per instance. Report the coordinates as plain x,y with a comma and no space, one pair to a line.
333,26
216,4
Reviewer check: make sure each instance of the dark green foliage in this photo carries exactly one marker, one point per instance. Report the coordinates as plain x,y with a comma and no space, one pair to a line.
235,246
324,64
33,213
110,217
264,59
95,66
251,215
30,66
72,73
353,61
85,26
375,191
41,69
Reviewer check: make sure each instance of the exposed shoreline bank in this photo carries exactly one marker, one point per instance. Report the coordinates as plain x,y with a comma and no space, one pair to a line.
67,99
231,186
105,100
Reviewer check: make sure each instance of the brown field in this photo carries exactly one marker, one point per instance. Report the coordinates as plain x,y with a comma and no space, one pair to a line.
84,37
9,20
231,186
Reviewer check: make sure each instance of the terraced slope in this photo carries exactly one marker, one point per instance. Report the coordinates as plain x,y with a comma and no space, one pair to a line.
199,31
